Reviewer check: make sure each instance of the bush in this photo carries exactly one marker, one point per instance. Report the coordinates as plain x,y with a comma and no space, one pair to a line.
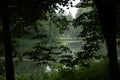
96,71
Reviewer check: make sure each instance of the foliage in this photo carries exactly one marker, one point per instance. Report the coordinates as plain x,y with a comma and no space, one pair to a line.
44,53
46,48
91,31
21,13
41,53
96,71
54,22
23,10
66,57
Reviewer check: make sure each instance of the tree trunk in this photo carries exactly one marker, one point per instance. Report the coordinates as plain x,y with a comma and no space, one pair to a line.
7,40
107,15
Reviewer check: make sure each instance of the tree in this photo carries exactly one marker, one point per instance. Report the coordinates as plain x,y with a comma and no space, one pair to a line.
87,19
107,15
7,41
48,49
21,11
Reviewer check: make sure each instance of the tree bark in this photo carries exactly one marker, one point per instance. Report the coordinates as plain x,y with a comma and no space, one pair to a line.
107,15
7,40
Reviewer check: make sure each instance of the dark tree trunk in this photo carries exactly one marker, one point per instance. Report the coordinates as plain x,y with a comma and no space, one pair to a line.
107,15
7,40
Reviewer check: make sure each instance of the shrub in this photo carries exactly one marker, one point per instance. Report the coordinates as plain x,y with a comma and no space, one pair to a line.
96,71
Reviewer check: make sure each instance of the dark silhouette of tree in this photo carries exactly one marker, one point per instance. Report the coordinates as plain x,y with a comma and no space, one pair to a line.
7,40
91,30
107,15
22,12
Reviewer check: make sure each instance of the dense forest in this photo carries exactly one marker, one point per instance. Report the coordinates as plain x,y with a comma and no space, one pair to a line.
39,41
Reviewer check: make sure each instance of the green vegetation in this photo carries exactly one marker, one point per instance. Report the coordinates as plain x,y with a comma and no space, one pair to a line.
47,45
96,71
